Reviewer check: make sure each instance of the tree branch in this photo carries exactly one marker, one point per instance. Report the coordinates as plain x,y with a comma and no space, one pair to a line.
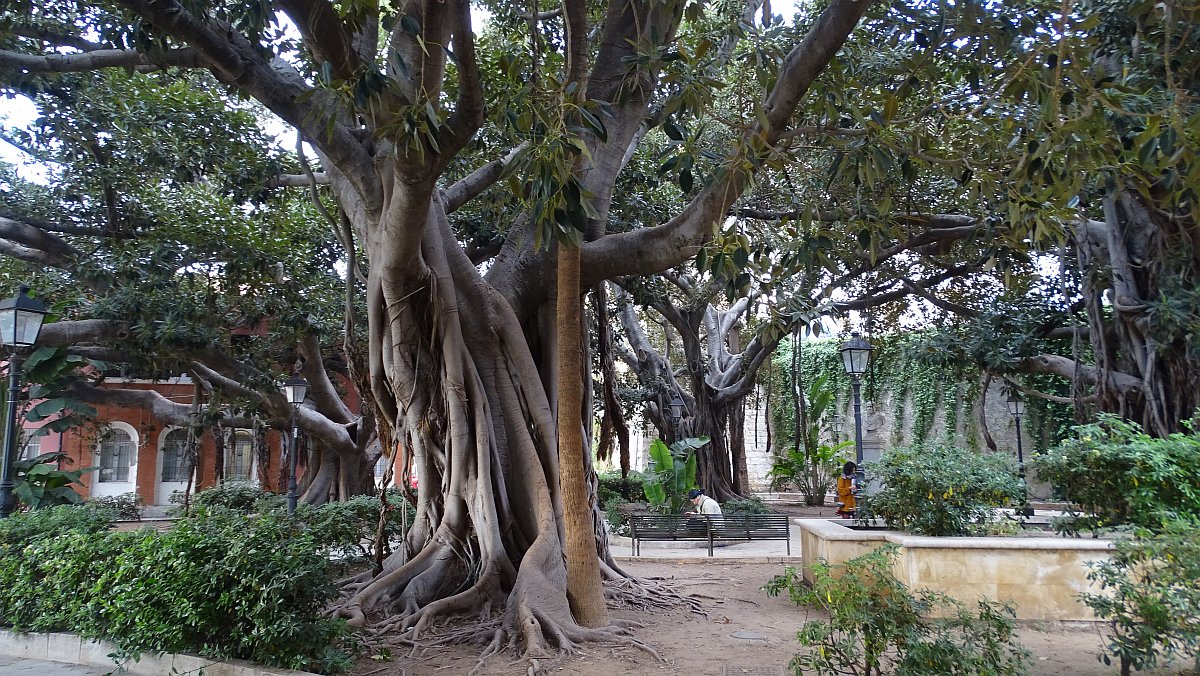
470,186
542,16
1067,368
84,331
97,59
37,257
35,238
234,60
650,250
325,35
948,306
320,388
59,39
297,180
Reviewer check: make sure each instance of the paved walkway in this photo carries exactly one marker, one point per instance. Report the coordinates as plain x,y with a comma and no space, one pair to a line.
17,666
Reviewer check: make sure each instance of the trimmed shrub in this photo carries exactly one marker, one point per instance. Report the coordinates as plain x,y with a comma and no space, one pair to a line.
877,625
237,496
220,585
612,485
348,529
1117,474
127,506
940,490
752,505
19,530
618,520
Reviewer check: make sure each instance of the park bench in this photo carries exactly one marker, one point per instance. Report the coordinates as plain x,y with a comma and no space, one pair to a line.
709,528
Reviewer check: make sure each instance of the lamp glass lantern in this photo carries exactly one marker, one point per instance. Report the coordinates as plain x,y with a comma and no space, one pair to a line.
837,424
1016,405
856,354
21,319
677,409
295,389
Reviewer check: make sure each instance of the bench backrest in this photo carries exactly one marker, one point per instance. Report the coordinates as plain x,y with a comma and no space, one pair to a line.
746,526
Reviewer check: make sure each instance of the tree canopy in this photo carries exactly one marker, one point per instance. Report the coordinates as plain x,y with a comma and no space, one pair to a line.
734,173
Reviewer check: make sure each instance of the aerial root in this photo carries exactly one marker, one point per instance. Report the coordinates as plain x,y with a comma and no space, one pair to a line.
641,595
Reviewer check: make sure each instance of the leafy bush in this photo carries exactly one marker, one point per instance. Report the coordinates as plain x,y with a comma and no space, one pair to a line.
220,584
940,490
347,529
876,625
1153,600
126,506
611,484
746,506
242,497
40,482
17,531
1117,474
672,474
618,521
812,472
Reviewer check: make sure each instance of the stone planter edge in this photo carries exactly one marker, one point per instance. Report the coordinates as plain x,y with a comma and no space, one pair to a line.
1042,576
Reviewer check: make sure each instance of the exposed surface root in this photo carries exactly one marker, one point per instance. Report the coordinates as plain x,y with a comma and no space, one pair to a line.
644,594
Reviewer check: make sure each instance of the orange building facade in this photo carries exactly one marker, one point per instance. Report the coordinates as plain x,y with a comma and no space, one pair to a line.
136,453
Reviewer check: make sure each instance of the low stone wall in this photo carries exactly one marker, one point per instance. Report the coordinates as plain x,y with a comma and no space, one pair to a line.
1041,576
71,649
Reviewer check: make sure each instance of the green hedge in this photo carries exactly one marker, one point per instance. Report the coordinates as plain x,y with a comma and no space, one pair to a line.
612,485
221,585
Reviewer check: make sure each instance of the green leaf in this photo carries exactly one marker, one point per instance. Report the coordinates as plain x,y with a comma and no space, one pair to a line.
595,125
685,181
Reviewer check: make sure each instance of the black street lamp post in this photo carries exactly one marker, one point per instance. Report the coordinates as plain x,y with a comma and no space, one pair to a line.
856,354
1016,408
20,323
294,389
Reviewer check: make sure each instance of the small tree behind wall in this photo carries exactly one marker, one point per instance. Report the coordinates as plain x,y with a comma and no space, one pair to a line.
807,463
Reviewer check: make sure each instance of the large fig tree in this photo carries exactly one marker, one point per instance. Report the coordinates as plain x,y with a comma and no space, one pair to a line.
460,359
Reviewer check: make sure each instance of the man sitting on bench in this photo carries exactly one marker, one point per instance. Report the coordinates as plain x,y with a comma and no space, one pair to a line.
707,512
703,503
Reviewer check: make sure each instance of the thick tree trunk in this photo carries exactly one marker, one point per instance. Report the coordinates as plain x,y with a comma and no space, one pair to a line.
583,569
470,402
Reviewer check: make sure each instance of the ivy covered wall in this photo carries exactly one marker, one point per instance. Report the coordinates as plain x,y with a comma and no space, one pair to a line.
916,397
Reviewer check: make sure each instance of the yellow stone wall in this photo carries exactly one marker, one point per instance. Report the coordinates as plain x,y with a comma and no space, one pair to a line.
1042,576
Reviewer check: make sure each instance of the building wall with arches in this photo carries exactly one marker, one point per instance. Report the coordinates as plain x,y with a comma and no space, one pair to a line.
148,435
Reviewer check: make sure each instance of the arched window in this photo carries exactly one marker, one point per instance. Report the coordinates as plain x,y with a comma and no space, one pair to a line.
174,456
239,456
116,455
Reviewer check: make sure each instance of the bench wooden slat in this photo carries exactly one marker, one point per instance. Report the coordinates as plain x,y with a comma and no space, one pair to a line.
709,528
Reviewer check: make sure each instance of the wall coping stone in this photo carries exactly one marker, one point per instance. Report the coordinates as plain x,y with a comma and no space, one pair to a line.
833,530
72,649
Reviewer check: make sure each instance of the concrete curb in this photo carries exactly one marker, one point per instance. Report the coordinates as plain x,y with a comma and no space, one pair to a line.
72,649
